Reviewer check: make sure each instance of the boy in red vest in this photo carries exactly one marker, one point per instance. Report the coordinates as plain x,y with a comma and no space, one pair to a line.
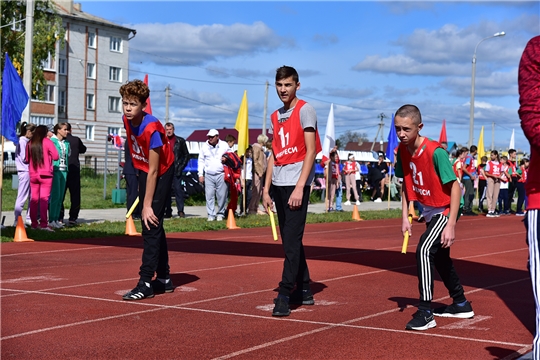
153,157
291,170
429,179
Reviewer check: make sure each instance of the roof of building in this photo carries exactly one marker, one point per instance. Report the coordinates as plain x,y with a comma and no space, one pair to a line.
77,13
200,135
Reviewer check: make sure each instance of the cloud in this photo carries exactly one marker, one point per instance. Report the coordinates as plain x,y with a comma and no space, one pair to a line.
325,39
494,84
348,93
185,44
405,65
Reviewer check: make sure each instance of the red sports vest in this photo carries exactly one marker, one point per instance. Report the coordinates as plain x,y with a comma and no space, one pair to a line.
140,147
494,169
288,144
421,181
480,176
504,178
524,171
350,167
513,166
455,166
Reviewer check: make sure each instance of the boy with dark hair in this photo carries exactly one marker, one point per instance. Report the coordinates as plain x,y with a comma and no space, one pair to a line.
291,170
153,157
429,179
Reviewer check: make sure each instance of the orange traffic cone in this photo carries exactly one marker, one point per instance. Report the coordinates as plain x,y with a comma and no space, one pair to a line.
20,232
231,223
412,212
130,227
356,214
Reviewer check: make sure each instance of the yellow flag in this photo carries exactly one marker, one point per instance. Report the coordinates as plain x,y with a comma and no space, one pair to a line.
481,150
242,126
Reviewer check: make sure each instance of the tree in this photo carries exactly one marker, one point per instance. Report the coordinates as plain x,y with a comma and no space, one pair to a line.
350,136
48,32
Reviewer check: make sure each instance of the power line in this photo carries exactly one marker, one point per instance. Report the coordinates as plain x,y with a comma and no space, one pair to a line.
217,107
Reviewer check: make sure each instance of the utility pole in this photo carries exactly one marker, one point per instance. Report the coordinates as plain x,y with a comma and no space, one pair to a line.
167,96
493,135
28,51
265,108
379,130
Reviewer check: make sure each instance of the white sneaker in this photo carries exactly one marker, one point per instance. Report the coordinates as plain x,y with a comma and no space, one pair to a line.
358,202
211,218
59,224
377,200
219,218
347,203
53,225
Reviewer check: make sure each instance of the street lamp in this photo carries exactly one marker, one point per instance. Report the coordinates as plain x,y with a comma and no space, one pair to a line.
471,123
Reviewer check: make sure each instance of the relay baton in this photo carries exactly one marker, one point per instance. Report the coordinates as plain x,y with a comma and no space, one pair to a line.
135,203
406,238
272,223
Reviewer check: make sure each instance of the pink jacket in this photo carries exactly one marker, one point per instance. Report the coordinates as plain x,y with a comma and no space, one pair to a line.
49,154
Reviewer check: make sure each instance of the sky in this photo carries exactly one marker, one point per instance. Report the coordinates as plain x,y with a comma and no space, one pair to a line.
366,57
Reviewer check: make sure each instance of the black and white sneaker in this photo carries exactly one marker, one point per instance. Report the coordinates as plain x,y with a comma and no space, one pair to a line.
299,297
422,320
141,291
455,311
160,287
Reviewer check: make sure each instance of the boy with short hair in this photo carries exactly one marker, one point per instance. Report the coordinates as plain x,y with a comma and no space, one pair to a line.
291,170
152,155
429,179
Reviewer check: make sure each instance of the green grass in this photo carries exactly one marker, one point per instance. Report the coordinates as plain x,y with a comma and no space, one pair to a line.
108,229
92,198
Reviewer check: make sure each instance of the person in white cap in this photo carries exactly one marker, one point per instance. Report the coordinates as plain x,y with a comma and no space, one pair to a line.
212,175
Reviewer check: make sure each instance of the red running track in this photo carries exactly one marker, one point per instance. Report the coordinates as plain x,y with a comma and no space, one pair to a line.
63,300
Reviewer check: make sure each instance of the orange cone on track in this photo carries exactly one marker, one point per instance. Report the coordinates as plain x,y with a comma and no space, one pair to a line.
231,223
356,214
412,212
130,227
20,232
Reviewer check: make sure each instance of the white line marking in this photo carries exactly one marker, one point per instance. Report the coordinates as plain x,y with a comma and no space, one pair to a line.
467,323
32,279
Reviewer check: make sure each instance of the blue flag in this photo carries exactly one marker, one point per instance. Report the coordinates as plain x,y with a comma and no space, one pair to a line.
392,142
14,100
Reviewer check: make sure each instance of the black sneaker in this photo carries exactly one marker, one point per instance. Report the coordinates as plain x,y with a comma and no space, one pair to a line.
421,219
141,291
160,288
300,298
281,308
422,320
455,311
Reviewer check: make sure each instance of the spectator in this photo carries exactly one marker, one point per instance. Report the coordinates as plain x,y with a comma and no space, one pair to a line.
482,183
333,178
246,178
512,184
23,174
259,164
521,188
469,176
132,184
504,204
211,174
40,155
375,176
232,166
493,175
350,169
73,181
181,158
60,167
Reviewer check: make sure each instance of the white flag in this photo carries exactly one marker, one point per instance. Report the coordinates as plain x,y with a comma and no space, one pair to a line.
329,136
512,145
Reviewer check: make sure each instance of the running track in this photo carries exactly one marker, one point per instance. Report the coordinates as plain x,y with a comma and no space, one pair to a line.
62,300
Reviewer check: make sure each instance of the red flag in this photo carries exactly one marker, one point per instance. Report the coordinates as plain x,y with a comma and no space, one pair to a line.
148,108
442,137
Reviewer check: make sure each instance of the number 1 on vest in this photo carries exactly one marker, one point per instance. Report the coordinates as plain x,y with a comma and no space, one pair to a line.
406,238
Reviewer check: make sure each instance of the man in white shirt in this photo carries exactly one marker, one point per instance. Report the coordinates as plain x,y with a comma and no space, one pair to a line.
211,174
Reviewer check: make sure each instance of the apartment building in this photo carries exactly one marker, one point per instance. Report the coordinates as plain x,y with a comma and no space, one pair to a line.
84,78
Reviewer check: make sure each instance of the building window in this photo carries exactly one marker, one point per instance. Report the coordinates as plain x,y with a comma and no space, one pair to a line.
114,104
113,130
115,74
89,132
48,94
62,102
92,40
48,64
41,120
91,71
90,102
116,44
62,66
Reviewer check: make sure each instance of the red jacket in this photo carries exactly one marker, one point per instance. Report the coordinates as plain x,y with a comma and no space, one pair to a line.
529,113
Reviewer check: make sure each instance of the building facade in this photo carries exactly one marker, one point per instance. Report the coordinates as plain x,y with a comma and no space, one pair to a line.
84,78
